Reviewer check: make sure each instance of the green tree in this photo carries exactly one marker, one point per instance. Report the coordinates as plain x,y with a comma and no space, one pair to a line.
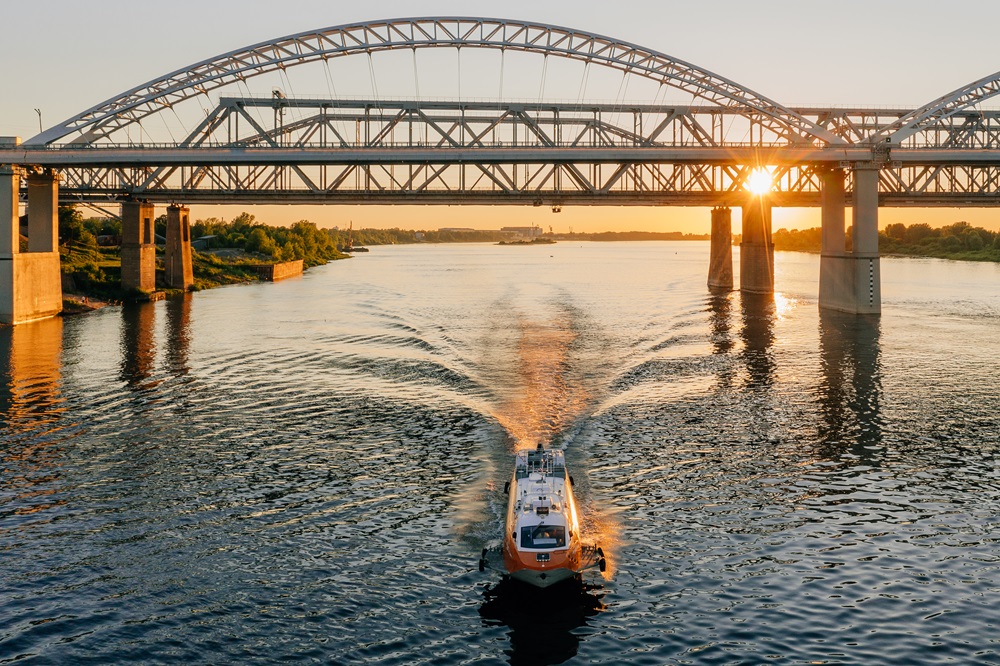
973,240
918,232
259,241
70,223
896,231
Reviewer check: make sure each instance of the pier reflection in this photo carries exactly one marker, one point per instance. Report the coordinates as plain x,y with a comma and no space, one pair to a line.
31,406
30,373
720,307
179,333
138,344
850,388
542,623
757,333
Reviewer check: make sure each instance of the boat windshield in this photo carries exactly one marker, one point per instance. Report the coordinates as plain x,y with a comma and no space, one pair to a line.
543,536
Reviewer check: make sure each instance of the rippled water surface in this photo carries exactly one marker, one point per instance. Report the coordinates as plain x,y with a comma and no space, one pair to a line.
308,470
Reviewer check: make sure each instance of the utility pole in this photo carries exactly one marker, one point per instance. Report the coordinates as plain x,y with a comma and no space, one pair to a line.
39,112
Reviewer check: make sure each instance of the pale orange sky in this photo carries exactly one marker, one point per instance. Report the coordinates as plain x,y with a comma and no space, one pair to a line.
580,218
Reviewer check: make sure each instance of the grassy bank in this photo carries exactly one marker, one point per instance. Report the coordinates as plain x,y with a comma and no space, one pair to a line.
959,241
95,273
232,253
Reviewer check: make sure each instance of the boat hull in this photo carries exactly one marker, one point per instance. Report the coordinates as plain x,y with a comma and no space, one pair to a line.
542,579
523,565
542,543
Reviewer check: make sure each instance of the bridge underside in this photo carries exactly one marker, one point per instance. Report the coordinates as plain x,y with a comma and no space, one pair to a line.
533,198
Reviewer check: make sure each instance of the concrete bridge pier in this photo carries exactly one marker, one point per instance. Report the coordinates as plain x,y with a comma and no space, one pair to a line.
850,281
757,249
30,282
138,246
720,266
177,258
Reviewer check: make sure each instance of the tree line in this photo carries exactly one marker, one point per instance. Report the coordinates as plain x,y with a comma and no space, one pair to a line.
960,240
304,240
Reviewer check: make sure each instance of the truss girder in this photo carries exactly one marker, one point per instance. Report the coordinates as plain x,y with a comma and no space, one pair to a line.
106,118
941,109
593,153
587,183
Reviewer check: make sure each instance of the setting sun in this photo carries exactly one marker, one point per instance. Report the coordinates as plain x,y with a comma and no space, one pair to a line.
760,181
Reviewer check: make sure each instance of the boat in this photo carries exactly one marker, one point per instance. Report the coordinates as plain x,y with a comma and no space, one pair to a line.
542,543
351,248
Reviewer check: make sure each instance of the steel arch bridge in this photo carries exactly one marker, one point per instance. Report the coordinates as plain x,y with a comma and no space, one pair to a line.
508,152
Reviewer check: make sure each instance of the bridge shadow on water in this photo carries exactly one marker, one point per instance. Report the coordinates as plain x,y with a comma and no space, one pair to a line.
757,332
33,437
138,344
31,373
543,624
138,341
850,388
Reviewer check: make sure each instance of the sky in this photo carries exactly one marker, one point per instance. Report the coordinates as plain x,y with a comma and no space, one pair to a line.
64,56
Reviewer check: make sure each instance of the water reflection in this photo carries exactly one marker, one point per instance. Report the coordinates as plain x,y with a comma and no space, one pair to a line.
757,333
850,386
542,623
179,333
30,373
31,405
137,343
720,308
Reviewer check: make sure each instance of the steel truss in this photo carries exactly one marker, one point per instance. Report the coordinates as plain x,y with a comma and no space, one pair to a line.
112,116
363,151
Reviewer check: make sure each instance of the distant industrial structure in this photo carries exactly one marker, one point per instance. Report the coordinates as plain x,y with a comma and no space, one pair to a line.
523,232
526,233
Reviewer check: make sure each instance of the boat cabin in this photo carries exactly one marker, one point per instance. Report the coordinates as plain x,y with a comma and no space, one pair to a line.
541,508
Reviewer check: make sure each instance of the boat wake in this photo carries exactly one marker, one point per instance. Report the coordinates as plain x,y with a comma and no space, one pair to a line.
545,390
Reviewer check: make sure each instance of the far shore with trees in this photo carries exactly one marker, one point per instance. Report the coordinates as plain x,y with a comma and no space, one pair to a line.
229,252
959,241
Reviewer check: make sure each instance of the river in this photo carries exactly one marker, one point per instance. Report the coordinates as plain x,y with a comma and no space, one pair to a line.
306,471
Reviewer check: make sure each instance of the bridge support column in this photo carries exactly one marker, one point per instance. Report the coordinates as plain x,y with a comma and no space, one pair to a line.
30,282
720,266
177,259
850,281
138,247
757,249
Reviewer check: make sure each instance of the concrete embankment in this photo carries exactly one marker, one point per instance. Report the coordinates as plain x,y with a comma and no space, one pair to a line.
280,271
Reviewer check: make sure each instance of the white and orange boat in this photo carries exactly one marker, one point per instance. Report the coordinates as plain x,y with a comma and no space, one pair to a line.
542,542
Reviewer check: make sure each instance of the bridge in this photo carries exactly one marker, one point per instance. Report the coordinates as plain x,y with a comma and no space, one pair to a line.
241,147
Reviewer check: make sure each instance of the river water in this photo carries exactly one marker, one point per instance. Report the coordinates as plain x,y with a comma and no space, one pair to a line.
307,471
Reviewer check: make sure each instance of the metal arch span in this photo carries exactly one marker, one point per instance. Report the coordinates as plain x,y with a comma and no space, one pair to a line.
412,33
939,110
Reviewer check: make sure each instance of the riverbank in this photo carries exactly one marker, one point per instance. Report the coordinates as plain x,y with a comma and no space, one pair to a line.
91,277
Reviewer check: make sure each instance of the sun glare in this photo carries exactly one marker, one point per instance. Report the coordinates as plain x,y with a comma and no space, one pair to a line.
760,181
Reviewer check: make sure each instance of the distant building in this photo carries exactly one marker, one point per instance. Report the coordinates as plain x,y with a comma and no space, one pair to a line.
419,235
203,243
458,229
524,232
